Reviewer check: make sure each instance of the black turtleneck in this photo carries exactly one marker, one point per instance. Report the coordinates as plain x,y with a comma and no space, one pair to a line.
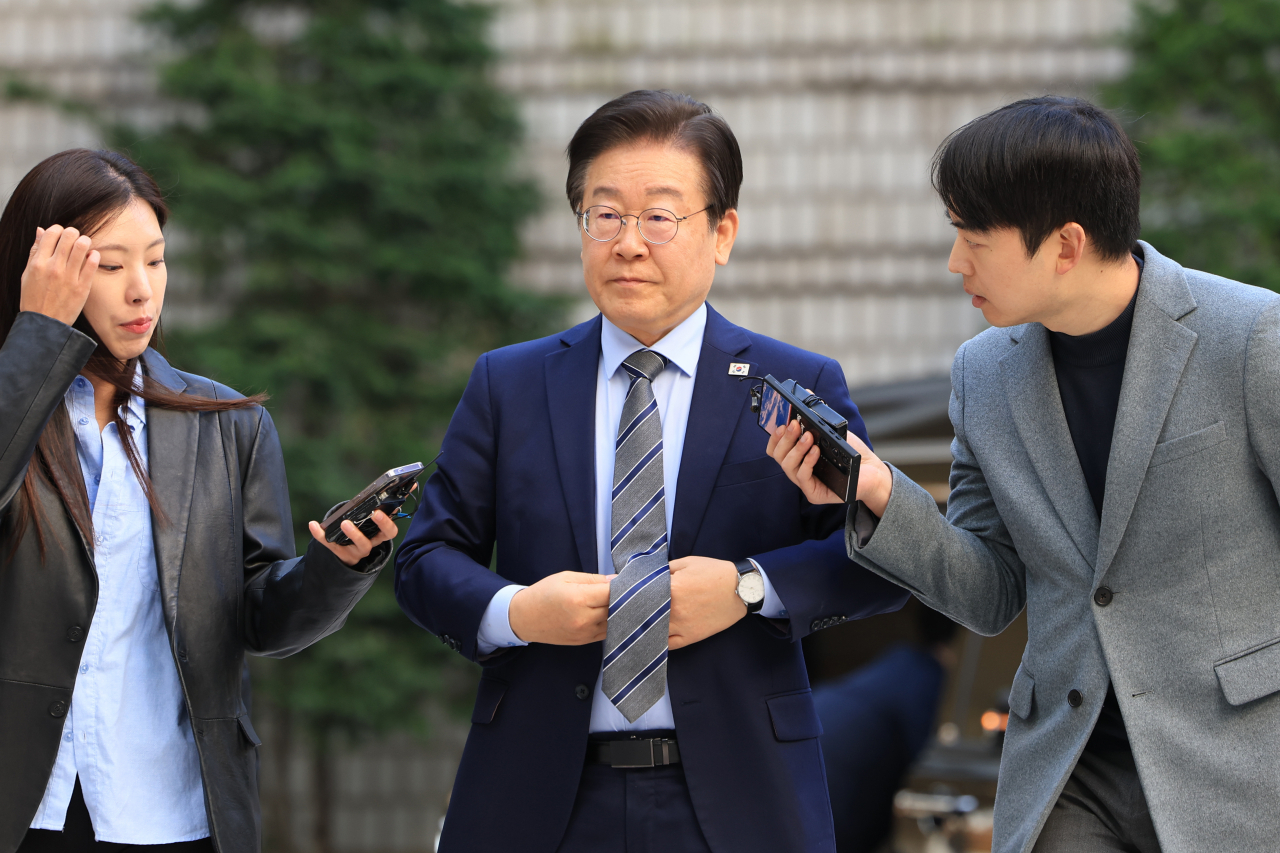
1090,369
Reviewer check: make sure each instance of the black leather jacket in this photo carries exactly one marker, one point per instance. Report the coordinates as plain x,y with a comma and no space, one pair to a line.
229,540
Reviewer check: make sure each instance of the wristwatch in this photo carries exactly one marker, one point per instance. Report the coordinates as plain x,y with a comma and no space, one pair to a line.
750,585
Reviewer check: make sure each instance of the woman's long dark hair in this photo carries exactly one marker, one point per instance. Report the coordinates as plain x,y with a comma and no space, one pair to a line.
85,190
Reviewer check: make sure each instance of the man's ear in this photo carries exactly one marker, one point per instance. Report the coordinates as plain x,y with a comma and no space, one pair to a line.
726,233
1070,242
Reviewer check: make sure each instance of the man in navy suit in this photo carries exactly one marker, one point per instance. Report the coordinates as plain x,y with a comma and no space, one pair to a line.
643,687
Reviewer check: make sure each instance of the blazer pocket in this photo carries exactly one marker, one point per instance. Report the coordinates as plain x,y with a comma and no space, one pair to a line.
1022,692
794,716
488,696
1250,674
747,472
246,729
1185,445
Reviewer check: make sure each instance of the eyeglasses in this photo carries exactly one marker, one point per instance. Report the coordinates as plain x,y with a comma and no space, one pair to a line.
656,225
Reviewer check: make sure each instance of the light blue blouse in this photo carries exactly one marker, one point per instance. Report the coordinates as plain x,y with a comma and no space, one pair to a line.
127,735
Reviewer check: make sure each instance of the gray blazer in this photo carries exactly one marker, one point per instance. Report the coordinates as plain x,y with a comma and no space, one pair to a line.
1189,546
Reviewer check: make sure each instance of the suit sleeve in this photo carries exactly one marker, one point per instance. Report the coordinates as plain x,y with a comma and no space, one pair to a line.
1262,392
443,582
290,601
815,579
963,565
38,362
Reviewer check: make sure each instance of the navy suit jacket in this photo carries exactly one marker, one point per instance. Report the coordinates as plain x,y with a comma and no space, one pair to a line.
518,470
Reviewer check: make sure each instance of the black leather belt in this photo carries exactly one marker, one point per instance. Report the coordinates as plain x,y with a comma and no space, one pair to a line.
634,752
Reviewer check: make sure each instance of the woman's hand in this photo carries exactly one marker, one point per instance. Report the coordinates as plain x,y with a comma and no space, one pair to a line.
361,546
59,274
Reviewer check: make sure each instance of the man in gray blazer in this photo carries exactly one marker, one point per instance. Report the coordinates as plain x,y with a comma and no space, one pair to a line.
1115,465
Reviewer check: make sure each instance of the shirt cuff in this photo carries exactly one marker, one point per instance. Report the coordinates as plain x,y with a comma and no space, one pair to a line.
772,608
495,626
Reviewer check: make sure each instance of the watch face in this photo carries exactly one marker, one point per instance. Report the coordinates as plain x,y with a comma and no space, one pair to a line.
751,587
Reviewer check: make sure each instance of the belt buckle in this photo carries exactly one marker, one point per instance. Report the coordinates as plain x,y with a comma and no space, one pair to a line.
629,754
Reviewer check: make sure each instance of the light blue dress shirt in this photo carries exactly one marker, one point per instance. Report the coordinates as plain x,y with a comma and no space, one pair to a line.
127,735
673,390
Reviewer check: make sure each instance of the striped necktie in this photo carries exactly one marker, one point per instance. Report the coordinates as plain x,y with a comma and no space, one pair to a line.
635,647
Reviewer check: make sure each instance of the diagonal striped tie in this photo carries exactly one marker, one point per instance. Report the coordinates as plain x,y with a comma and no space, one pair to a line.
635,648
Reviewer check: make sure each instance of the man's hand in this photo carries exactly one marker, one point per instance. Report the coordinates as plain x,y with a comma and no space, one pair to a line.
797,454
704,599
564,609
59,274
361,546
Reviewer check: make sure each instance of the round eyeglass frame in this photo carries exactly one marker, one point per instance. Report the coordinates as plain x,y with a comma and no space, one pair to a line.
581,216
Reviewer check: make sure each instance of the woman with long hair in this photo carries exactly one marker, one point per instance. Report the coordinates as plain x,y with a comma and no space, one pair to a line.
146,543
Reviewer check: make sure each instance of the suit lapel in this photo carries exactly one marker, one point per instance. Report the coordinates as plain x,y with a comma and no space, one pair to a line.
717,406
172,452
1159,347
571,396
1034,400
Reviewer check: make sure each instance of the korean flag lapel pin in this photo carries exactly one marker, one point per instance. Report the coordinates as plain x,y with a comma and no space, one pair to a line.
736,369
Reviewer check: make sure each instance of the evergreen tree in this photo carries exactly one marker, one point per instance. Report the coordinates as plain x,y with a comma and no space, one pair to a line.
340,175
1205,88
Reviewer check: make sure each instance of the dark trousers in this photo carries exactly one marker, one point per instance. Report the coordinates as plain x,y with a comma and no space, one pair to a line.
77,837
1102,808
633,811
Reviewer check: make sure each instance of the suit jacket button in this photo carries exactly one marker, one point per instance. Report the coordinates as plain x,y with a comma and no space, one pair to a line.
75,634
447,640
58,709
1075,698
581,691
1102,597
815,625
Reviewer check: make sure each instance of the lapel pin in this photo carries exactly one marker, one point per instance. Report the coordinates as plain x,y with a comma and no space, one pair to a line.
737,369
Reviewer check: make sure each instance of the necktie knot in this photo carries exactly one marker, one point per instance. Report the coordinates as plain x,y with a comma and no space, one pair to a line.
645,364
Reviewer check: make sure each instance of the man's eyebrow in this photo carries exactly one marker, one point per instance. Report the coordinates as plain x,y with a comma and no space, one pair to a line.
612,192
116,247
667,191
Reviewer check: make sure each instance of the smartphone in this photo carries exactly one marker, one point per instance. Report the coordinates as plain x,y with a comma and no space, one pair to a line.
779,403
386,493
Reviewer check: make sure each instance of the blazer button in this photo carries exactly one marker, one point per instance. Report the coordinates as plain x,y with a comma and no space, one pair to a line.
58,709
75,634
581,691
182,653
1075,698
1102,597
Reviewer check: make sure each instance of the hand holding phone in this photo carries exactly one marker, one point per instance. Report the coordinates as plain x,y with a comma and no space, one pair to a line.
778,403
387,493
352,529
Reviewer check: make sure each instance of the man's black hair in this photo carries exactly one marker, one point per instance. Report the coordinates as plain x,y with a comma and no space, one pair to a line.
1036,165
650,115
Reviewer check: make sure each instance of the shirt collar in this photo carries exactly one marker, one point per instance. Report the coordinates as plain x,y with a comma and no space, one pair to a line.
135,406
682,346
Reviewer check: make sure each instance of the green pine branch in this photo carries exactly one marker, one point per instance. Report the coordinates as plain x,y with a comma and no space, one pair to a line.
342,175
1204,87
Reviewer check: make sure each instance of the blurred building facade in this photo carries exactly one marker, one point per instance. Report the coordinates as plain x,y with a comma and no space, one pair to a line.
838,106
